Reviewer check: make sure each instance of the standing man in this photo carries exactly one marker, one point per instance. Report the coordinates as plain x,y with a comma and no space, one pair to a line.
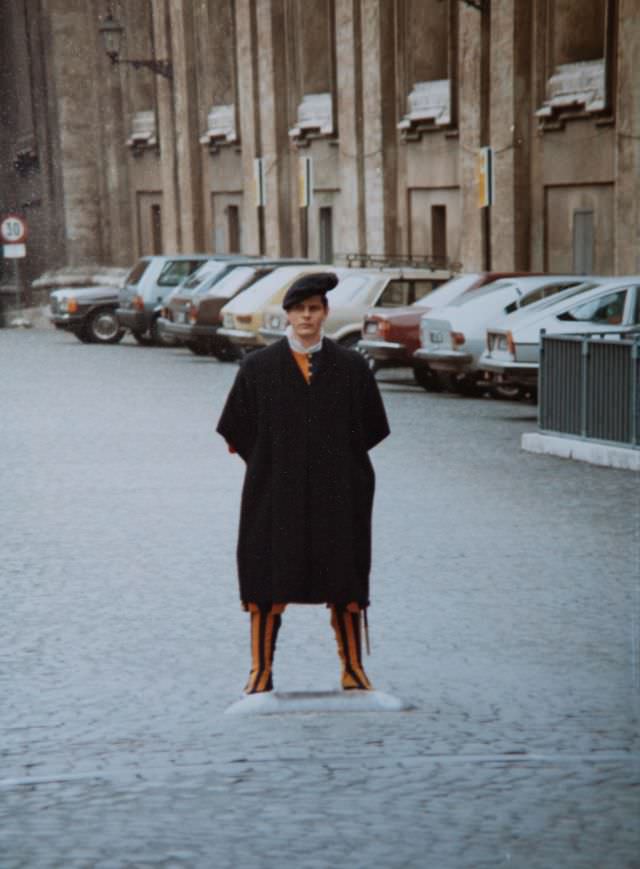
303,414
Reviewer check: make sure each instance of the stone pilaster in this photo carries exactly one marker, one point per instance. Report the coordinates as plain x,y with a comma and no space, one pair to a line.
510,111
116,214
272,96
351,215
373,127
171,227
470,102
627,174
73,67
249,120
185,92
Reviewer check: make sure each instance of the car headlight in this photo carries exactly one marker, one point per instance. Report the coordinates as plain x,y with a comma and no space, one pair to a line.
227,321
68,305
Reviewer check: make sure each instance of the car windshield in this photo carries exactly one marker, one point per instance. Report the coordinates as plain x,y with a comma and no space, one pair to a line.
206,270
541,304
449,290
136,272
175,271
401,292
348,291
257,294
533,296
486,290
229,285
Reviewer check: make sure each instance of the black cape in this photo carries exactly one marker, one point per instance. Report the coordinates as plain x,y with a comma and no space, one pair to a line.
305,519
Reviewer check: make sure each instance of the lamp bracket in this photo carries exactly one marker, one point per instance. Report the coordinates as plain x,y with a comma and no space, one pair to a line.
159,67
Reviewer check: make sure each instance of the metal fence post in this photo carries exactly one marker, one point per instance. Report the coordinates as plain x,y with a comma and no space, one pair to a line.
541,398
584,361
635,392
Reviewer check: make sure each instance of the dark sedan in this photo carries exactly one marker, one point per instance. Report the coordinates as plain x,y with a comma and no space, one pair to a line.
89,313
192,312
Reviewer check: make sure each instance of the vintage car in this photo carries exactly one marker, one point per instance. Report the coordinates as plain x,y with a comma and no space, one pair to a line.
354,295
242,316
148,283
390,336
192,312
89,313
608,307
452,338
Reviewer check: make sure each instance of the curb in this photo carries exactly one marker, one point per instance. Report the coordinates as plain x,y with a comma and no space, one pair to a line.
593,452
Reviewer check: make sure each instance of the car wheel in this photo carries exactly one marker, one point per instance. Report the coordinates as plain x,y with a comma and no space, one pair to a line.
506,391
428,379
160,339
103,327
468,385
83,335
199,348
228,353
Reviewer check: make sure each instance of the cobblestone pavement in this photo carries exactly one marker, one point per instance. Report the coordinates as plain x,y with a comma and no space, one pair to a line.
506,607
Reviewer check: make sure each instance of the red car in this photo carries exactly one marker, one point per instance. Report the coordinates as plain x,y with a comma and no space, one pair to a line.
390,336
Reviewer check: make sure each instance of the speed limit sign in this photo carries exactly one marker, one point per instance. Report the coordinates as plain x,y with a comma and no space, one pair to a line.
13,229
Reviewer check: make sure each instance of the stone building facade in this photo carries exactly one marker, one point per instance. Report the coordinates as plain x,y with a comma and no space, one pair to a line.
291,127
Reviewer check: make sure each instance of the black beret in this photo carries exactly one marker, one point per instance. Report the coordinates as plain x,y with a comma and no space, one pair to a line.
316,284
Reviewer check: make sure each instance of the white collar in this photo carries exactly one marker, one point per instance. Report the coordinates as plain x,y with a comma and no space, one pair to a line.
297,347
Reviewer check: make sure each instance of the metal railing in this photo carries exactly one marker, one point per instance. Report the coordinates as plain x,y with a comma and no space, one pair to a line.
389,260
589,386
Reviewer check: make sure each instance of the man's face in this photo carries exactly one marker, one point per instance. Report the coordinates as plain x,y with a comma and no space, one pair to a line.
306,319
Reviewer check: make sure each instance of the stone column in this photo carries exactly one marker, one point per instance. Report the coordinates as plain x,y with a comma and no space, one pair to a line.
189,215
379,133
510,112
627,174
73,58
116,213
171,227
272,96
351,215
469,113
249,117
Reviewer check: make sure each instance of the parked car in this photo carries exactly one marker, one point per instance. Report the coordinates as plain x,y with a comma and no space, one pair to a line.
148,283
390,336
89,313
242,316
354,295
512,351
192,311
452,338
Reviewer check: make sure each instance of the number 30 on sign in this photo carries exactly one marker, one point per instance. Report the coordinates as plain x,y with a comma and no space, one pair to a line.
13,229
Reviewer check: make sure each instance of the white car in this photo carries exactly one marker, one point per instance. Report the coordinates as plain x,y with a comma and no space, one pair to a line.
354,296
452,338
609,307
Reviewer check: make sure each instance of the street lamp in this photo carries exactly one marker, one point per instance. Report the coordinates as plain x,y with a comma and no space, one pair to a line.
112,32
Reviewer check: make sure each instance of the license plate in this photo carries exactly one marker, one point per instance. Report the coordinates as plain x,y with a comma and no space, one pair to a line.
436,337
181,317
